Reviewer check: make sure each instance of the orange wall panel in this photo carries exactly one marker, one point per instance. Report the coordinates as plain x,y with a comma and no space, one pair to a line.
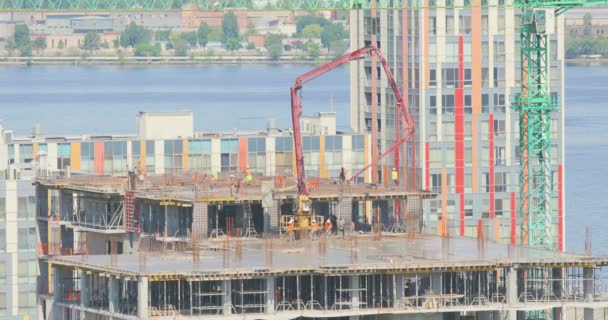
322,169
243,154
35,150
75,156
99,154
185,154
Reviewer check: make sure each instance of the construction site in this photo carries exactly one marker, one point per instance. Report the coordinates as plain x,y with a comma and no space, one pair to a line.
191,247
432,213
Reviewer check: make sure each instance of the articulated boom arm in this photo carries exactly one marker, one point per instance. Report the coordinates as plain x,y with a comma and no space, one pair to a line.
296,107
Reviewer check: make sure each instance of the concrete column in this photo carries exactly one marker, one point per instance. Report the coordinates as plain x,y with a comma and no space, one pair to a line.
588,283
398,289
227,297
512,289
557,290
436,283
142,297
588,290
84,289
354,285
113,291
200,220
57,292
270,303
271,208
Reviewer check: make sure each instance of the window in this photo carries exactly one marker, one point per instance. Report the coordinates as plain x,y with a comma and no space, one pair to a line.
26,239
468,78
500,182
150,156
27,299
333,155
499,128
448,130
284,154
433,104
199,155
499,103
465,24
468,156
11,154
468,130
432,77
63,155
87,157
468,208
499,77
499,156
2,241
26,208
485,103
433,131
115,158
229,155
498,210
436,182
256,158
311,147
435,157
434,210
449,24
136,155
27,270
468,183
468,104
433,26
449,156
174,156
449,77
447,103
26,156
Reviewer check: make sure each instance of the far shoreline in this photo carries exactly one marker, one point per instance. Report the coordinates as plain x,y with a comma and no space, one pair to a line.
131,60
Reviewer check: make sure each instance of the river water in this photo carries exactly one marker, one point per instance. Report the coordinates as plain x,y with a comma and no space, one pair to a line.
105,99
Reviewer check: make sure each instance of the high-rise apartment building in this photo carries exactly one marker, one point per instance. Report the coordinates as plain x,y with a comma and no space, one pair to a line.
18,262
462,68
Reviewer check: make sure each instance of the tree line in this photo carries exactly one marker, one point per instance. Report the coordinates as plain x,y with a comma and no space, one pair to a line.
587,43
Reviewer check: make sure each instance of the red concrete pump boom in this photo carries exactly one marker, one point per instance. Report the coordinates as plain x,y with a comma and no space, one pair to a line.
296,108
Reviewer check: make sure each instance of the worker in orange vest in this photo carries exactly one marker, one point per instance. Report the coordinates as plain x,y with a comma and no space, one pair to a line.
314,228
291,229
328,226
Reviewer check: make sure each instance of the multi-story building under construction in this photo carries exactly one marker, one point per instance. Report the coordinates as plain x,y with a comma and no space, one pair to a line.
462,66
193,244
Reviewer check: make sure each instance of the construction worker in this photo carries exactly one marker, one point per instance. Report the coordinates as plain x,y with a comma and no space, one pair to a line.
291,229
248,176
328,227
394,176
314,228
341,227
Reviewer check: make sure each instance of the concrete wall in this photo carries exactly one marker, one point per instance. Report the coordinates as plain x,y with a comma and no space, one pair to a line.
165,125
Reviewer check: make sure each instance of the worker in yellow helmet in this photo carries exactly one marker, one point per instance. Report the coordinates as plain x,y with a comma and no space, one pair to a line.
394,176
